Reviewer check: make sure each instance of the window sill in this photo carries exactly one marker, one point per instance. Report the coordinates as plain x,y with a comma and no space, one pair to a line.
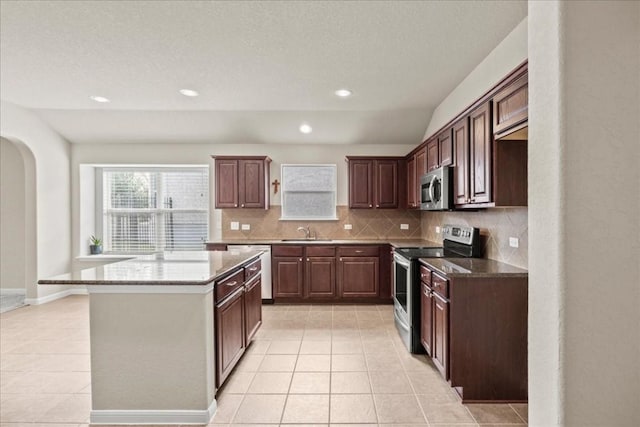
103,257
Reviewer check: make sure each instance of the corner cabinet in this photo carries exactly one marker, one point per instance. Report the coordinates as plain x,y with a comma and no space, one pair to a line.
374,182
242,182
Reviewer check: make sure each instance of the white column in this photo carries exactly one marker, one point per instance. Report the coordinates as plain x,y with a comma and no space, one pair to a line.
584,213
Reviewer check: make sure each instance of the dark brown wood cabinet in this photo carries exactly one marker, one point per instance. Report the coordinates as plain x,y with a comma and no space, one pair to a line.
416,168
358,271
238,316
433,154
511,110
252,307
480,138
445,148
288,277
426,314
478,331
374,182
230,335
461,169
321,277
242,182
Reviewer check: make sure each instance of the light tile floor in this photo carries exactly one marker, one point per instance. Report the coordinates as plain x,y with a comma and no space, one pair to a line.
309,365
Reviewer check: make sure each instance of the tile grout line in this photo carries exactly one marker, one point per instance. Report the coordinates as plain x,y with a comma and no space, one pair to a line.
518,414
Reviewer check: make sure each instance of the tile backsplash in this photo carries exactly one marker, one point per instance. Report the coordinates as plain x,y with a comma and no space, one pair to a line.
496,227
366,224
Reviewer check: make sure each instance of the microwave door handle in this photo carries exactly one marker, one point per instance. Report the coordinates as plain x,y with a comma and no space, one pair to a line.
431,190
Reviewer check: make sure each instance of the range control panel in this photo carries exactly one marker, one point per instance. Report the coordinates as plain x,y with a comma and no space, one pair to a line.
461,234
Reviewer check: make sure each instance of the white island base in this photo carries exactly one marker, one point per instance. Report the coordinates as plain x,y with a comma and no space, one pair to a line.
152,354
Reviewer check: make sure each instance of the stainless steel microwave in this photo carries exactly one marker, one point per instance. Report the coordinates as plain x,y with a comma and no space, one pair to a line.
436,190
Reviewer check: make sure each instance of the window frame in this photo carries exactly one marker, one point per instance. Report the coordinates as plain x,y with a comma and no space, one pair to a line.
100,208
334,190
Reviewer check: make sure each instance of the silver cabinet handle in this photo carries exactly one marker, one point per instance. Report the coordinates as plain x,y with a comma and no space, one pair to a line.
232,283
242,205
300,259
370,206
307,259
235,206
253,268
359,251
340,259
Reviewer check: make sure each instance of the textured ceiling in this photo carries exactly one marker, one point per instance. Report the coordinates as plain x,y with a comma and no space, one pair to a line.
261,67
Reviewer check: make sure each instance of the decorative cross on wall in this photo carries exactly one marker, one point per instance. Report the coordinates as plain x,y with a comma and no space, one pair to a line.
275,184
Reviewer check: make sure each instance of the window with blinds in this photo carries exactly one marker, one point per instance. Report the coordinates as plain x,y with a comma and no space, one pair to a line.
155,209
309,192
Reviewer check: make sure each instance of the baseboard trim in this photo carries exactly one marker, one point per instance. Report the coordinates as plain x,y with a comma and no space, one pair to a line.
153,416
57,295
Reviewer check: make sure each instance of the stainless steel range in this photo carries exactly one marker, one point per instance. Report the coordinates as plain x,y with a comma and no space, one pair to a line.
459,241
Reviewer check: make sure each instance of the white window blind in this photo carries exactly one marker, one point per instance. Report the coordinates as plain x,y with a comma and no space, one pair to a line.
309,192
155,209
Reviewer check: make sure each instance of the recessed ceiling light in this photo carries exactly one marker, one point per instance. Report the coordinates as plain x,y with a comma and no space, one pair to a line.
343,93
100,99
305,128
189,92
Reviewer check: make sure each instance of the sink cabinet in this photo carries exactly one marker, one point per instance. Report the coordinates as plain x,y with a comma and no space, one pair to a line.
242,182
325,273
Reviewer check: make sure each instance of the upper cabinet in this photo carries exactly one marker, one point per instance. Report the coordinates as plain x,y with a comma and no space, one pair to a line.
242,181
374,182
480,155
433,155
511,110
416,167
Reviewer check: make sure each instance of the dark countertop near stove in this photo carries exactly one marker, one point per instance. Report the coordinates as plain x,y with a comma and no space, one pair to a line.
473,267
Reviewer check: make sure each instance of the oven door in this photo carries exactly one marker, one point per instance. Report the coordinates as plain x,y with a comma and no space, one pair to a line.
402,297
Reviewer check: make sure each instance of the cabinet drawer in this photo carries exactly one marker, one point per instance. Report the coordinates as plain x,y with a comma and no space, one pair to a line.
252,270
321,251
287,250
359,251
425,275
229,285
440,285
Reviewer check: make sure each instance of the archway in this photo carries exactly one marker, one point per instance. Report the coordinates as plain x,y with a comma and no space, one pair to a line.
18,255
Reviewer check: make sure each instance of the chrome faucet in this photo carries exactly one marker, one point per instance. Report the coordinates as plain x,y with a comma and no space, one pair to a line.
307,232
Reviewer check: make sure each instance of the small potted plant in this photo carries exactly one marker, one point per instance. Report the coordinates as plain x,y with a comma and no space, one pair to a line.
96,245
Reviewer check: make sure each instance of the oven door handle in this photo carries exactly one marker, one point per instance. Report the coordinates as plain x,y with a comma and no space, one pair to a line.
401,260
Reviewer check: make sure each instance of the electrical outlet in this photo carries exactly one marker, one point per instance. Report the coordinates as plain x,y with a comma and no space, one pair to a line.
437,230
348,227
246,227
404,226
514,242
235,225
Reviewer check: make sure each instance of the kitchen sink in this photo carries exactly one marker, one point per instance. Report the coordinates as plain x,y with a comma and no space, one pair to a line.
306,240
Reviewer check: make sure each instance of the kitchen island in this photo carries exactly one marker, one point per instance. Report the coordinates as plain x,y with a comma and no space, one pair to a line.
152,330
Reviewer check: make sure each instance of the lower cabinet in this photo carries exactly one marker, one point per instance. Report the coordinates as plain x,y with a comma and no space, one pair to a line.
440,346
230,336
238,316
252,308
326,273
426,313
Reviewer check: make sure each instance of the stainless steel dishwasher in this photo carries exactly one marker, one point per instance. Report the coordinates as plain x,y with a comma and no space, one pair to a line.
265,258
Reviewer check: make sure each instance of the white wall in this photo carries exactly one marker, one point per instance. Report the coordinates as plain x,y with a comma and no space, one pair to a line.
510,53
584,205
201,154
52,206
12,217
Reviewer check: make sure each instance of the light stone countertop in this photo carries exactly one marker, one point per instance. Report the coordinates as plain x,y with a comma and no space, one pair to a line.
166,268
473,267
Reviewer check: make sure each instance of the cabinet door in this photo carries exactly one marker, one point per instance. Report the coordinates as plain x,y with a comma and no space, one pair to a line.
480,153
252,308
445,147
287,277
440,343
433,152
461,169
412,183
251,184
358,276
426,314
386,181
321,277
361,184
510,106
226,184
230,337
